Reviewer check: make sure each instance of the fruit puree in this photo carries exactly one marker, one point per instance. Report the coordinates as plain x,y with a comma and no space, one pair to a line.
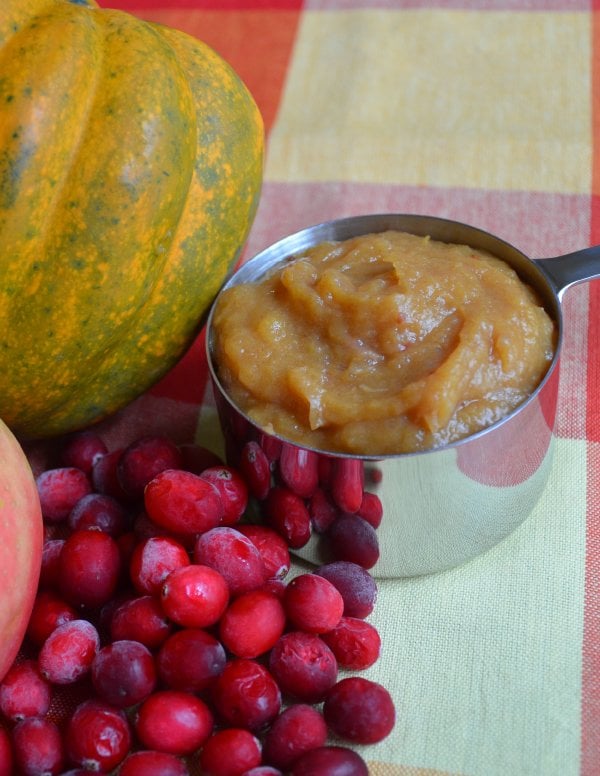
384,343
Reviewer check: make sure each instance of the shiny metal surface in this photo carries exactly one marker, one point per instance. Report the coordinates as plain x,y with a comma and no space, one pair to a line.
445,506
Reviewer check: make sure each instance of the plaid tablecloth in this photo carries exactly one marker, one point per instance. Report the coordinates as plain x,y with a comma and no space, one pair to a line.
487,113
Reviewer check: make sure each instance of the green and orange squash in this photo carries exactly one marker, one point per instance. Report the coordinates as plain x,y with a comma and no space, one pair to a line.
130,170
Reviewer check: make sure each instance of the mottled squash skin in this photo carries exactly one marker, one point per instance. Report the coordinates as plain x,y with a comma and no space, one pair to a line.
130,171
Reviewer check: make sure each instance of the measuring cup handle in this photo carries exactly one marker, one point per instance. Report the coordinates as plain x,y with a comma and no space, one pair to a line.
577,267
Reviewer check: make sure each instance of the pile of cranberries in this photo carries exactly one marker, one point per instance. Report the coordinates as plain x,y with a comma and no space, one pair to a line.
165,639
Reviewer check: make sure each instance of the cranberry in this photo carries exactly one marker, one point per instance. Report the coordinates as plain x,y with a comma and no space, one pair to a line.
190,659
140,619
50,570
357,587
49,611
272,547
298,729
97,510
246,695
252,624
304,666
194,596
353,539
359,710
151,763
298,469
24,692
313,604
38,747
256,469
89,567
68,652
263,770
232,489
174,722
153,559
371,509
82,450
6,753
59,490
330,761
355,643
322,511
346,483
196,458
97,736
287,514
105,479
234,556
183,502
230,752
143,459
123,673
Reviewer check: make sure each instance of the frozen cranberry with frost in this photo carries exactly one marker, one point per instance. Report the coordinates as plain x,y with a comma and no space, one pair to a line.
190,659
298,469
194,596
147,762
174,722
24,692
371,509
97,736
272,547
287,514
355,643
359,710
304,666
140,619
263,770
49,611
68,652
233,555
38,747
123,673
59,490
89,568
196,458
322,511
183,502
143,459
101,512
330,761
252,623
6,753
357,587
230,752
153,559
255,469
246,695
313,604
232,489
105,479
50,570
82,449
353,539
297,730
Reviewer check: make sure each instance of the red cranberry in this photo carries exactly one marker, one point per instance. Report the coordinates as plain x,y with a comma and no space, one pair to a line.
38,747
355,643
297,730
322,511
353,539
150,763
196,458
194,596
234,556
252,624
256,469
97,736
346,483
59,490
232,489
82,450
123,673
140,619
357,587
143,459
183,502
89,567
6,753
371,509
263,770
298,469
105,479
152,561
287,514
330,761
313,604
272,547
359,710
246,695
174,722
24,692
68,652
49,611
50,569
99,511
230,752
304,666
190,659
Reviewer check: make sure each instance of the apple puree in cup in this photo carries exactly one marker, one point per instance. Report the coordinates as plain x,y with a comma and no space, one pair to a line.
382,344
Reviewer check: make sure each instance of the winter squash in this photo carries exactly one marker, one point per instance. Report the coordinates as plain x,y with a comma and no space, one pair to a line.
130,170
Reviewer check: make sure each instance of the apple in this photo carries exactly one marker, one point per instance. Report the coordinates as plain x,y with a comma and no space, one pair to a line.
21,540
